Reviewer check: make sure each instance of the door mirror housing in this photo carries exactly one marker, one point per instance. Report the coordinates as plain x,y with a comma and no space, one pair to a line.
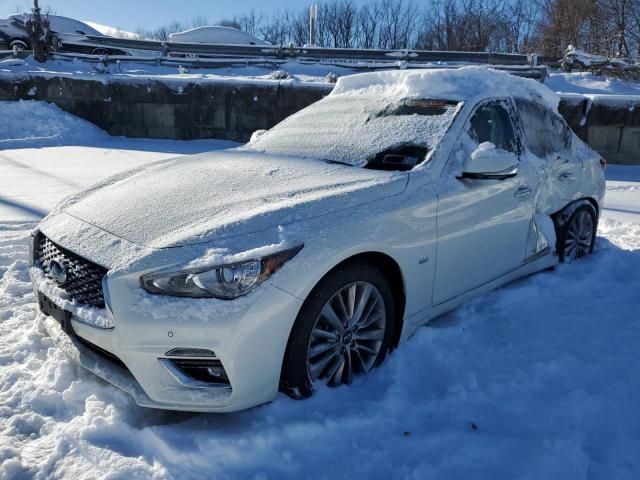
491,163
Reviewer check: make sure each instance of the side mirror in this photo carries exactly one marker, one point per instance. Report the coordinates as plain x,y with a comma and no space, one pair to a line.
490,163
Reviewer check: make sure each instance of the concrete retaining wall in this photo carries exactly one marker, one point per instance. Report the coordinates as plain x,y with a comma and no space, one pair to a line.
170,109
610,124
233,110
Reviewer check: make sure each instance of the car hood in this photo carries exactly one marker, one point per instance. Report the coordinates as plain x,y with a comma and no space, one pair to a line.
190,200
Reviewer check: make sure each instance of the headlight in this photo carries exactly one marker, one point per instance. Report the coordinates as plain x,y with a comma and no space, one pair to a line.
223,281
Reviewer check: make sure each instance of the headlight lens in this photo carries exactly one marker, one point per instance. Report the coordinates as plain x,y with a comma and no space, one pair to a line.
225,281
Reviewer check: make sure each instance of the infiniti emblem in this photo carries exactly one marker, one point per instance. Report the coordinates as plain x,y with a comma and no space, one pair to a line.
58,272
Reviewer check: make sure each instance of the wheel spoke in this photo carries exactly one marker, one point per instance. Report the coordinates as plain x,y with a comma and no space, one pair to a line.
370,320
364,348
326,335
319,348
332,318
355,353
316,369
342,308
351,300
335,372
369,335
348,367
361,305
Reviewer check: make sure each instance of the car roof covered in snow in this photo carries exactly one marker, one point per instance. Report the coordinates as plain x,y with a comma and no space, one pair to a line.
62,24
216,34
468,84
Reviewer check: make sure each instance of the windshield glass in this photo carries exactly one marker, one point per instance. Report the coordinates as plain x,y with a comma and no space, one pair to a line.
355,129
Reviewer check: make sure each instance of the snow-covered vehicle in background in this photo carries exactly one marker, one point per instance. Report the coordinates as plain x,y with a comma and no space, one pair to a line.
216,35
302,258
576,59
13,33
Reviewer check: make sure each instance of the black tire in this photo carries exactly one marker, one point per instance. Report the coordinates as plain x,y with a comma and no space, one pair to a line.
100,51
295,378
577,234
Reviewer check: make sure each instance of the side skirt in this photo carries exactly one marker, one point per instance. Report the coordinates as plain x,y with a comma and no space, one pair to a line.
542,261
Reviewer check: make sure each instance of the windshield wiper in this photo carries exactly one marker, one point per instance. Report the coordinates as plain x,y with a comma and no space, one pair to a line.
337,162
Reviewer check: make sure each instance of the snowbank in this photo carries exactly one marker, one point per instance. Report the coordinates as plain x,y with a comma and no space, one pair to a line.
38,124
588,83
77,154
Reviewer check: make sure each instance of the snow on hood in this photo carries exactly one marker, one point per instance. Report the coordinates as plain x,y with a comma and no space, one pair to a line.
197,199
460,84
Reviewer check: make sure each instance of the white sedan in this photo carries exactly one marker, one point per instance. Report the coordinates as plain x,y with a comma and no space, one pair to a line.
303,258
218,35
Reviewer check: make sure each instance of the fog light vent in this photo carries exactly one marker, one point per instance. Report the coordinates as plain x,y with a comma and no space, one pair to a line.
190,352
203,370
197,372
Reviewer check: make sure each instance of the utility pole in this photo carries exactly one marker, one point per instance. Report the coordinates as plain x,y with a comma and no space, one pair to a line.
313,23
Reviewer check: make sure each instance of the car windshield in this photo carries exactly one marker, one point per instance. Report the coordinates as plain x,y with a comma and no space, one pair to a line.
359,130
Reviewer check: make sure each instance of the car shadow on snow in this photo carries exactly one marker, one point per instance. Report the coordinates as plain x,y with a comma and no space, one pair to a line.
22,207
179,147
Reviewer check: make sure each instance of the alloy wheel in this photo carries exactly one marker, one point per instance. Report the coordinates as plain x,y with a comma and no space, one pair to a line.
579,236
18,45
348,335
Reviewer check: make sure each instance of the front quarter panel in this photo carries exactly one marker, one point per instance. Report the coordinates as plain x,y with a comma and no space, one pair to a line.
402,227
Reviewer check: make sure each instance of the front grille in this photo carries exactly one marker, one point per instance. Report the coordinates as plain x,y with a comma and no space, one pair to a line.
83,281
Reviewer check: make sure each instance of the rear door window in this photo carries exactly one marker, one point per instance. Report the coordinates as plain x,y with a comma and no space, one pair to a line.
546,133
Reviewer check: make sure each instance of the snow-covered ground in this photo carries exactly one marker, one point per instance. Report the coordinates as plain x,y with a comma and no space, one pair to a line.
46,155
537,380
588,83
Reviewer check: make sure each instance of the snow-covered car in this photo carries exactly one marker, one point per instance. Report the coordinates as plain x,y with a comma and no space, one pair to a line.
302,258
13,33
216,34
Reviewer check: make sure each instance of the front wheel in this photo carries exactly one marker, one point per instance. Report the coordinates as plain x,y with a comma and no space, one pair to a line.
344,329
18,45
576,237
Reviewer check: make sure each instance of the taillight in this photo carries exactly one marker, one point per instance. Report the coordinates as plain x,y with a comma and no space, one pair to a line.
603,163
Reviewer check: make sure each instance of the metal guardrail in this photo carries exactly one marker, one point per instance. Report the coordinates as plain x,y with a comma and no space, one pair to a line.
193,63
198,55
318,54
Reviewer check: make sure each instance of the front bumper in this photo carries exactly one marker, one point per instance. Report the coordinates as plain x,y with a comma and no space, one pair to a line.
249,338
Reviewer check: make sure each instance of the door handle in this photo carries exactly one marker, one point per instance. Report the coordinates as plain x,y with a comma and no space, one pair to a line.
522,192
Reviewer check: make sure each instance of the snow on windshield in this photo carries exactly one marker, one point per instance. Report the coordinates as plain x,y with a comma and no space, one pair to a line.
353,128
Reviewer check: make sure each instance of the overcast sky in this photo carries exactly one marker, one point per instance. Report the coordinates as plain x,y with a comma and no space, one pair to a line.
150,14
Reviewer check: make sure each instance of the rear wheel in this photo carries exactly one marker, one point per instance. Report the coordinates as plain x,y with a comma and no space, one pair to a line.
577,236
344,329
100,51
